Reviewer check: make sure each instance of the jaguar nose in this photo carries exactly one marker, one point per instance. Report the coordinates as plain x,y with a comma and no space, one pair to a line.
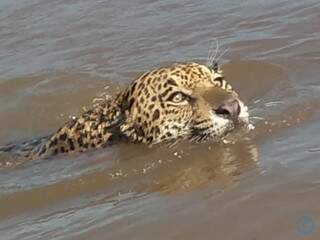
230,108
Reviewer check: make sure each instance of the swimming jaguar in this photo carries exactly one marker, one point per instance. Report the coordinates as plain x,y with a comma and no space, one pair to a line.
181,101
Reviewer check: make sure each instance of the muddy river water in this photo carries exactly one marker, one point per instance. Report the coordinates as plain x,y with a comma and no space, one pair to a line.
57,56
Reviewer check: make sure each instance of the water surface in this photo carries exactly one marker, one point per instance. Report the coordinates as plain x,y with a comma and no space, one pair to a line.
57,56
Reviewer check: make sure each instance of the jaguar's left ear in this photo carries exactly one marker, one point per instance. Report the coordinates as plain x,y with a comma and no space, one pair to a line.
115,111
130,127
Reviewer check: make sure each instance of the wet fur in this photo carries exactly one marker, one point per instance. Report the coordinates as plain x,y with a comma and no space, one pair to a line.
144,113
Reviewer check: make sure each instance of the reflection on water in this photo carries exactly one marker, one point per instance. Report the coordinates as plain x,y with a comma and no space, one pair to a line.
57,56
184,167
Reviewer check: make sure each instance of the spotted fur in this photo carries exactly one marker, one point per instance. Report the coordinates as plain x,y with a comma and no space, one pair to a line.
167,103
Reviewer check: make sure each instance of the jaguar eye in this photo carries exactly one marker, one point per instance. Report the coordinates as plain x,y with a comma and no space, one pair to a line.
178,97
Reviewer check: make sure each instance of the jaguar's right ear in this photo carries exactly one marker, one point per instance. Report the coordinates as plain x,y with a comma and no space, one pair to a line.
215,67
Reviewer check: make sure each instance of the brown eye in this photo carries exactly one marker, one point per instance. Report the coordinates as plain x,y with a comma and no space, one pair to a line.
178,97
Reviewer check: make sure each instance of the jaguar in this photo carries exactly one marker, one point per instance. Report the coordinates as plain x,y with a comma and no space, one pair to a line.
181,101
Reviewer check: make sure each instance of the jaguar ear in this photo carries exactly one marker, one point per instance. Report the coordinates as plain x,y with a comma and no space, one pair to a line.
215,67
122,117
129,127
117,110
